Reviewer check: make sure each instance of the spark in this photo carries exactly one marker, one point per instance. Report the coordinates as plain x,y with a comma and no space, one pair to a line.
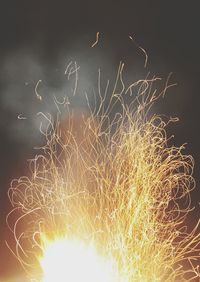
115,184
63,103
21,117
97,40
142,49
72,69
36,90
67,68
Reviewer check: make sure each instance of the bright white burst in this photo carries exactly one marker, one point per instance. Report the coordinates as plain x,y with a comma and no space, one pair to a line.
72,261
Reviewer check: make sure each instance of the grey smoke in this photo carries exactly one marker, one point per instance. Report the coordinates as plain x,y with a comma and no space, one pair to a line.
21,100
21,72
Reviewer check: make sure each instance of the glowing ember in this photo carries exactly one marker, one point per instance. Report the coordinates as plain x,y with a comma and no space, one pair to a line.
72,261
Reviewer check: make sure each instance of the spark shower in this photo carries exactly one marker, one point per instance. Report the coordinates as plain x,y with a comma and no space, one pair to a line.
107,192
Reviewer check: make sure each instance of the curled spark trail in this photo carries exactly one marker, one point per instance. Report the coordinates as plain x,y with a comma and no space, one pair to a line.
115,183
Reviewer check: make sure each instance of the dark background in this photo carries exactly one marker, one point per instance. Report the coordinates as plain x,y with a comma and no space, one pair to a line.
36,38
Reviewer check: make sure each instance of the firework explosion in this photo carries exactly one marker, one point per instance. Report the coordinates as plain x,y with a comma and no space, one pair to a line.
113,183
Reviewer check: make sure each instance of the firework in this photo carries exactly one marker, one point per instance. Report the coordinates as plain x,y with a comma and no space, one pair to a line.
113,182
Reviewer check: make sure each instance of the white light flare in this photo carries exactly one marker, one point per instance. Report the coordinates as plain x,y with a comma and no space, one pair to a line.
71,261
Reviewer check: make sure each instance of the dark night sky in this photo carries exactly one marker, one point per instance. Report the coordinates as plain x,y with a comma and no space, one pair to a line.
47,31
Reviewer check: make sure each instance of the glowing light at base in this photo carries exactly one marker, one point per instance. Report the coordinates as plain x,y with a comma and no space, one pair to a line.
72,261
